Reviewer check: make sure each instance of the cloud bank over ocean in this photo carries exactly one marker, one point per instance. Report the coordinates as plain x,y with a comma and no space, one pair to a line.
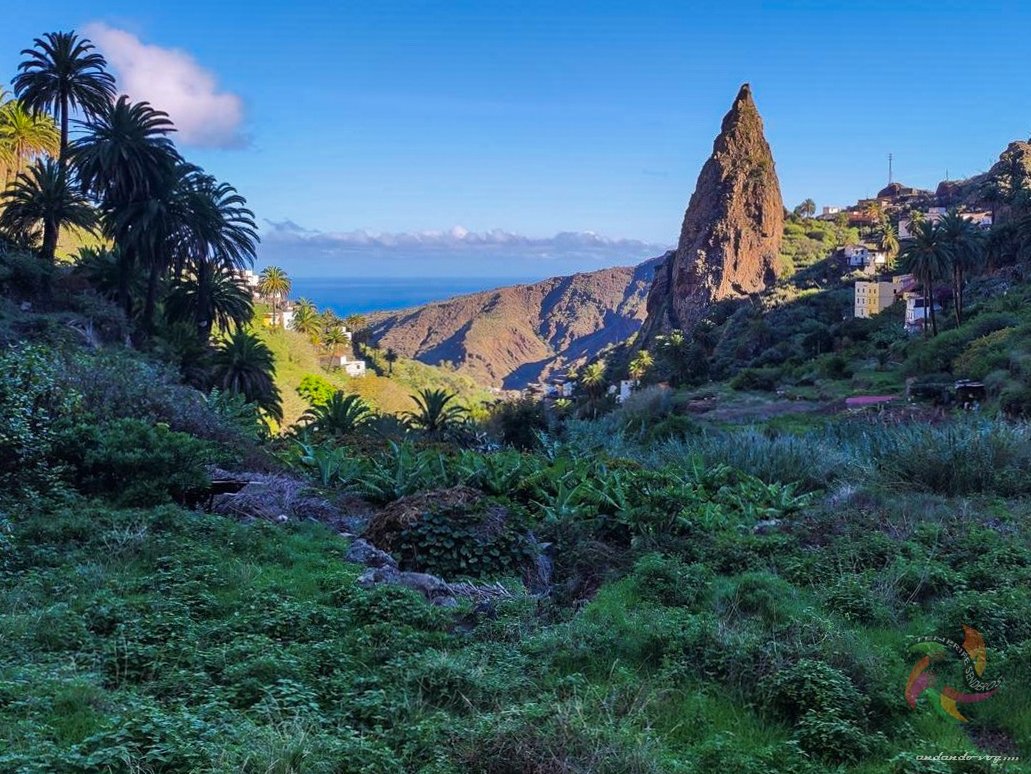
454,252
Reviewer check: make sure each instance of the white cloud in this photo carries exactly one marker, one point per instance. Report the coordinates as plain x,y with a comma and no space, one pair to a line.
171,80
452,252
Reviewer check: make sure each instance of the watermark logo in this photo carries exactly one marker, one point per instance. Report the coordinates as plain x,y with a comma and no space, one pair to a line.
946,699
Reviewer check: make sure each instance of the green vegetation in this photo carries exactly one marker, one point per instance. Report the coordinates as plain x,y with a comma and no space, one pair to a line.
684,583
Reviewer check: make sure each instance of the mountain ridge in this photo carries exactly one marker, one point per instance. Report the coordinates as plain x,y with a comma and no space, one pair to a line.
512,336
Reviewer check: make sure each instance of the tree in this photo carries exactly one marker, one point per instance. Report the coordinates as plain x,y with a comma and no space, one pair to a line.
681,358
806,209
356,323
63,72
640,365
306,319
41,199
391,358
928,257
227,302
275,285
889,241
24,136
338,416
211,230
436,411
243,364
129,164
965,245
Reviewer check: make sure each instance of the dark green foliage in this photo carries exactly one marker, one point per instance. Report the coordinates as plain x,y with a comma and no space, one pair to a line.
765,379
466,544
134,463
518,422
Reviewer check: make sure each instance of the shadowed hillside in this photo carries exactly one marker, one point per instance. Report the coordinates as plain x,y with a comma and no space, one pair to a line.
515,335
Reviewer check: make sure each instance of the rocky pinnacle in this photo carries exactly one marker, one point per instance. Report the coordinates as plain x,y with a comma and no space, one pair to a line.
730,239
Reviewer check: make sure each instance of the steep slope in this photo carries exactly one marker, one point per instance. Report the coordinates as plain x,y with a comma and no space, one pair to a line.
512,336
732,230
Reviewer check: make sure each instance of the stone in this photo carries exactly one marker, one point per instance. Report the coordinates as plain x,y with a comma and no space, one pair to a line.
766,526
730,240
363,552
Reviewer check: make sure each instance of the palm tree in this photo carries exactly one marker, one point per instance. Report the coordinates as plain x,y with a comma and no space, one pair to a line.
928,257
339,416
24,136
966,247
391,357
128,162
356,323
245,365
889,241
275,286
228,302
806,209
213,232
41,198
640,365
436,411
306,319
592,378
331,332
63,72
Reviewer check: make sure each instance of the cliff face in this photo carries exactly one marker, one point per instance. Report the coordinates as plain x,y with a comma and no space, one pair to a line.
512,336
731,235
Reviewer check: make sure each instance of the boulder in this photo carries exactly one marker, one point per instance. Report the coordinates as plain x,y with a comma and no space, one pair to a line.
363,552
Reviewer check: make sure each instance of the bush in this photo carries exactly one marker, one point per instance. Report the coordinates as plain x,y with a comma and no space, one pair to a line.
810,686
762,379
958,458
135,463
518,422
32,403
23,274
668,581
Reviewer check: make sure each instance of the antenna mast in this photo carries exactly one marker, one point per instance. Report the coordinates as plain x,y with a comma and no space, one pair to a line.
891,178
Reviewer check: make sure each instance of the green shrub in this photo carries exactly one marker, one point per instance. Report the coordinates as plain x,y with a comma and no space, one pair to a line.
810,686
762,379
518,422
984,355
668,581
456,544
833,739
133,462
32,406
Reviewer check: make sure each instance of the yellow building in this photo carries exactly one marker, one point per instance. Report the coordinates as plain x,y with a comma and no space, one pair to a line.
875,296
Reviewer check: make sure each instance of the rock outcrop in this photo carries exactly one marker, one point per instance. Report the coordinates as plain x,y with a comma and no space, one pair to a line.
730,240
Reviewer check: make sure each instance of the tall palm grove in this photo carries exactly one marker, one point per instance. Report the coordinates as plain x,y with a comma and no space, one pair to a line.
169,240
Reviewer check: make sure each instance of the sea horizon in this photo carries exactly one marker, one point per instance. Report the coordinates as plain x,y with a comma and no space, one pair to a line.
363,295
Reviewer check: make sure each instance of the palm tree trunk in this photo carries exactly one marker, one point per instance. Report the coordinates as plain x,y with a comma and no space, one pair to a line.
62,153
934,318
204,324
150,304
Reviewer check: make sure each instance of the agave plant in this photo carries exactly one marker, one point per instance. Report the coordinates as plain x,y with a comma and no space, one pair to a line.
339,416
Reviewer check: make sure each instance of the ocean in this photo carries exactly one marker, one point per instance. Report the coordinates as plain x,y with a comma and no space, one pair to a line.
360,295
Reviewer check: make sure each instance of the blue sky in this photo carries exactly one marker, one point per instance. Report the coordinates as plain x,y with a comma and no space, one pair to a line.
542,117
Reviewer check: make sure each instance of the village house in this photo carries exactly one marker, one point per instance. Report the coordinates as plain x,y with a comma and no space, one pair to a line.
874,296
351,366
918,313
866,257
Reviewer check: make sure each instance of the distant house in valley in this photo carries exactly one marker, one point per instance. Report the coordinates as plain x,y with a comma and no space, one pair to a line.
250,280
626,389
918,312
351,366
866,257
979,218
874,296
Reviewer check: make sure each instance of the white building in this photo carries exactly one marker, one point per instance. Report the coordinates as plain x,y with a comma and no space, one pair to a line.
349,365
918,314
626,388
865,257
